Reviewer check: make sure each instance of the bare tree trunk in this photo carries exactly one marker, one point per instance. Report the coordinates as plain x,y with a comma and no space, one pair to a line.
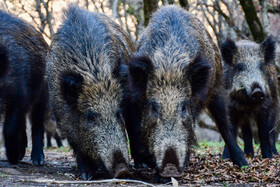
137,14
252,19
125,17
185,4
149,7
86,4
164,2
265,19
42,17
44,10
115,9
171,2
50,19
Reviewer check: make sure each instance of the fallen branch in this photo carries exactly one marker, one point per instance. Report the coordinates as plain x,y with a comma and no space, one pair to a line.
53,181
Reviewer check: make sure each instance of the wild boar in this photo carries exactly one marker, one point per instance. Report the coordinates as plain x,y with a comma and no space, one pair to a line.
87,80
23,86
175,73
251,81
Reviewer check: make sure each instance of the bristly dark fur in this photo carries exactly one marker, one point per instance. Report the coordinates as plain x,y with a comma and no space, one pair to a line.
23,88
3,60
228,49
253,69
176,75
87,72
71,87
269,46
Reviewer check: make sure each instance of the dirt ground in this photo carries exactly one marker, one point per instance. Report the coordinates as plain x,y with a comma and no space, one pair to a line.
206,169
59,166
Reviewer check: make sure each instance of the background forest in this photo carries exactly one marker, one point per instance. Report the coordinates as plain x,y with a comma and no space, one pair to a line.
238,19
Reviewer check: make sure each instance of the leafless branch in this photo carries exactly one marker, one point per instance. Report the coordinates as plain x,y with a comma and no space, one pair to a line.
41,28
52,181
95,6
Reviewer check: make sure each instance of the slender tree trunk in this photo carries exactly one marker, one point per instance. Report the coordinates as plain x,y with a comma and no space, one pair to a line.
137,11
171,2
149,7
265,19
86,4
115,9
125,17
252,19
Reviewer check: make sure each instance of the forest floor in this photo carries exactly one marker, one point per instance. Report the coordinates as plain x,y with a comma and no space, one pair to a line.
206,169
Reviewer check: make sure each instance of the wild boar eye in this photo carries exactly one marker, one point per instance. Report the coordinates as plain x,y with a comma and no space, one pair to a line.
154,110
240,67
91,117
261,66
120,117
184,110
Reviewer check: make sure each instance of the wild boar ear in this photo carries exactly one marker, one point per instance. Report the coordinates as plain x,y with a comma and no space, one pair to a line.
4,63
228,49
71,87
198,73
268,47
140,67
120,71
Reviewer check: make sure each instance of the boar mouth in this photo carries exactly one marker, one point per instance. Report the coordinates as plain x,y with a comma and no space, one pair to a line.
122,171
170,164
170,170
120,166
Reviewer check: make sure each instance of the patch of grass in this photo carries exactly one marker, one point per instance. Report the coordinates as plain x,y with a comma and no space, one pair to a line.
59,149
227,185
50,148
278,146
128,146
205,145
2,175
211,144
245,169
64,149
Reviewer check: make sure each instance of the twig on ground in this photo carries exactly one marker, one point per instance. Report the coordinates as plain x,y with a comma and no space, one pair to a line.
53,181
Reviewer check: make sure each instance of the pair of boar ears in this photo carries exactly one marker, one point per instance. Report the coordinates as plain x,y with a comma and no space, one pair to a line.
4,63
229,48
197,73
